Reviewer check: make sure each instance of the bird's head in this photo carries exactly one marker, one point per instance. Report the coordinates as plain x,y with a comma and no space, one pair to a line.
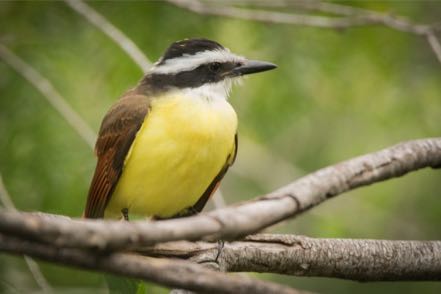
201,67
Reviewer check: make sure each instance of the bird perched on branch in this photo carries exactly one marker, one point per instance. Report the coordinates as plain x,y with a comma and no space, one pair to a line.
165,145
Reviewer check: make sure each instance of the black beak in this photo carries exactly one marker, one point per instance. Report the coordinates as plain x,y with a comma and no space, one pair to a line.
252,66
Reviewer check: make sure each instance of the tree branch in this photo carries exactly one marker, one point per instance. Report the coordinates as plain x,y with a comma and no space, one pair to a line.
55,238
50,93
367,260
169,272
126,44
435,44
270,16
361,260
234,221
33,267
348,17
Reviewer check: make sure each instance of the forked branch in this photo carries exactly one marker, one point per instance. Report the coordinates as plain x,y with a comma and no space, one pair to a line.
168,272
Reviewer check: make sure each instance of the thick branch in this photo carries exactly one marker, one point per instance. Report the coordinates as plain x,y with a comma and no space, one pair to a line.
235,221
362,260
169,272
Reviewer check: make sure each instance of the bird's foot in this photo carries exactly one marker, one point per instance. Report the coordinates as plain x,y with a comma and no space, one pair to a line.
125,213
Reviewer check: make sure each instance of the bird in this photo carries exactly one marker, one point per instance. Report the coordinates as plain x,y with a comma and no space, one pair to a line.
165,145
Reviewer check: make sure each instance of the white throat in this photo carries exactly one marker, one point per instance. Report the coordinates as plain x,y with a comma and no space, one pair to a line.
210,92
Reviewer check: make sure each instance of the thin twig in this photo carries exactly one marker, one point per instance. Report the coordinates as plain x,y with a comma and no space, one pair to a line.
34,268
126,44
371,17
389,20
348,16
435,44
50,93
5,198
271,16
39,278
218,199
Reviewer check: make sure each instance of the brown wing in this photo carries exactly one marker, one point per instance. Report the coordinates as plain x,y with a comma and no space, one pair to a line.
213,186
118,130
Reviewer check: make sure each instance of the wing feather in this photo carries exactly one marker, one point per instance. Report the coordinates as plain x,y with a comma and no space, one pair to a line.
117,133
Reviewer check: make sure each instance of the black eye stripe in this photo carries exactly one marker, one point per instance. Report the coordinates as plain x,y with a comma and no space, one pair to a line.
215,66
211,72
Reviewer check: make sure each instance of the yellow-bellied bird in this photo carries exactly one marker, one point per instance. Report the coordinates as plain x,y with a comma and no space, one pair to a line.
165,145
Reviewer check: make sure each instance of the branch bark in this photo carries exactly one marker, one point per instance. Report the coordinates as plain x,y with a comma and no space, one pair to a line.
234,221
169,272
62,240
360,260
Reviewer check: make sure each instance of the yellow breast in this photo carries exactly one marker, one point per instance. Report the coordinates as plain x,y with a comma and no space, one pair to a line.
182,145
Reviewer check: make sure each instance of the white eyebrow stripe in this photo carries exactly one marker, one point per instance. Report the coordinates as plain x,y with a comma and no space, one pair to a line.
189,62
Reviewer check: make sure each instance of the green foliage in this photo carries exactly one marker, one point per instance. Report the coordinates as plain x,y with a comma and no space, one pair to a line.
335,95
121,285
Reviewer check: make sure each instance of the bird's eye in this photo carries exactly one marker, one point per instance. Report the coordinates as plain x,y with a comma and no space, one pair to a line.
214,67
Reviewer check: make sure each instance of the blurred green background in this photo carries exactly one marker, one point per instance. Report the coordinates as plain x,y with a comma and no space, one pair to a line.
335,95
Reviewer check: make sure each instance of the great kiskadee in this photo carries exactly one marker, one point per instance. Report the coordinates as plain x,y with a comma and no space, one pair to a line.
165,145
